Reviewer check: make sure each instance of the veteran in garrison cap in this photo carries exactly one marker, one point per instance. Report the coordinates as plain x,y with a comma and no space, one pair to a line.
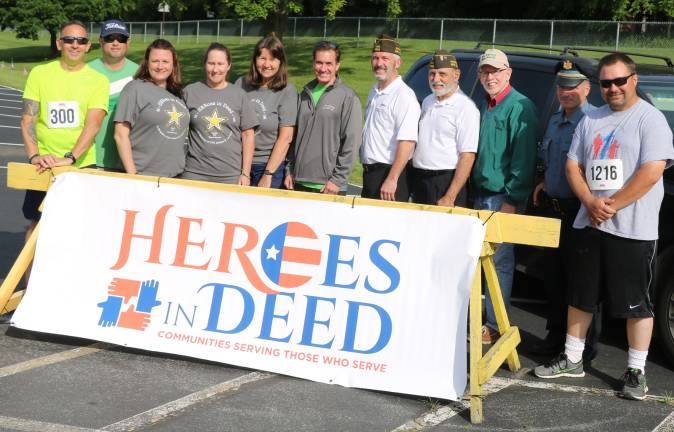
448,137
391,126
554,198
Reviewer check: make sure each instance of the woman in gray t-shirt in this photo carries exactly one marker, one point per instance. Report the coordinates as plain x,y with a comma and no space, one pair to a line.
151,119
275,102
222,125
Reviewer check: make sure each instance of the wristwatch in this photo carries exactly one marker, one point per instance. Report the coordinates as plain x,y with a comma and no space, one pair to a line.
267,172
70,156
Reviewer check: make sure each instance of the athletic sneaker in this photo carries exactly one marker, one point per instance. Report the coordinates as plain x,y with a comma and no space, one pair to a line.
560,366
634,384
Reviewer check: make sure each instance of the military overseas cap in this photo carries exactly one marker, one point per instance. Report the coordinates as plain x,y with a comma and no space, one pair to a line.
443,59
568,76
494,57
114,26
386,43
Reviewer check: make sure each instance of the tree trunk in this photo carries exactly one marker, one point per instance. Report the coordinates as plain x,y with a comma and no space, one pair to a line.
276,22
52,41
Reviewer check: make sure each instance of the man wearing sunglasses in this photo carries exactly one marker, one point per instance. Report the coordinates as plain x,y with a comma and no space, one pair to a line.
119,70
614,167
64,103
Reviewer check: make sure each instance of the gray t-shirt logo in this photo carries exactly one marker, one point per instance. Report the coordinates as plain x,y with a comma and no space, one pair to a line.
214,115
171,128
260,112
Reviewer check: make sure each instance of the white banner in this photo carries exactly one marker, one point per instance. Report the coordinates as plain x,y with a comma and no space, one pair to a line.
360,296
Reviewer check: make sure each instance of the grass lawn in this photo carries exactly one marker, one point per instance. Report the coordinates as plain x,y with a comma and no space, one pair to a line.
354,69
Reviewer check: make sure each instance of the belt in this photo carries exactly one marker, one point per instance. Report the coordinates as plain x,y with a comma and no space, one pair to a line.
431,173
375,166
563,205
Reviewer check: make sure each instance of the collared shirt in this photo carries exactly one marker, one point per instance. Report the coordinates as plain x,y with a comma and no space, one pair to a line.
555,146
493,101
447,128
391,115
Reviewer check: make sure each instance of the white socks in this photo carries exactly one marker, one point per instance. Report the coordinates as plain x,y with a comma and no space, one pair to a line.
637,359
573,348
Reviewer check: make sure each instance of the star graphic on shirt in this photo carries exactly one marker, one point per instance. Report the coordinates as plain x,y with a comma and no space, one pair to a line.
214,120
174,116
272,252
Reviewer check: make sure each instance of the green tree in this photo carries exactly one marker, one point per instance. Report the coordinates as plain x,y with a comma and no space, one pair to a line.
644,10
29,17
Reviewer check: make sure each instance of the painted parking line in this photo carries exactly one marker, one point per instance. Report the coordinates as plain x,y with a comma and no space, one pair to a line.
443,413
10,115
52,359
27,425
10,94
12,144
10,107
169,409
10,127
12,100
667,425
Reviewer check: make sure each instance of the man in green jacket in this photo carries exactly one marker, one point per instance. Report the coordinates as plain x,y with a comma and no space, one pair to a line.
503,175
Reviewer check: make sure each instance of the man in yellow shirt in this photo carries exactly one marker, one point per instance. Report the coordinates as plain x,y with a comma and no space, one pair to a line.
65,102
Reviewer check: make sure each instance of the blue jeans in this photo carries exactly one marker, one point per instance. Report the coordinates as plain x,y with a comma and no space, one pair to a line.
504,257
257,170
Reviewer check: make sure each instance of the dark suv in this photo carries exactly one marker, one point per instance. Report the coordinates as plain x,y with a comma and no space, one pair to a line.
535,76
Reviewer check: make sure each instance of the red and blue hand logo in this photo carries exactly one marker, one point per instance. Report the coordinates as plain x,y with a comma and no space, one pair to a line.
122,292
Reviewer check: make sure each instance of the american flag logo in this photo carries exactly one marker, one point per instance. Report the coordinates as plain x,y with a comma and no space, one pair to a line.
288,256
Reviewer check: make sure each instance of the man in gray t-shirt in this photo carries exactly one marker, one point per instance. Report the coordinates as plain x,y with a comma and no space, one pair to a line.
614,167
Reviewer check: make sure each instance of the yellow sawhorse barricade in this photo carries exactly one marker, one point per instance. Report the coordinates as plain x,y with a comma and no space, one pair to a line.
501,228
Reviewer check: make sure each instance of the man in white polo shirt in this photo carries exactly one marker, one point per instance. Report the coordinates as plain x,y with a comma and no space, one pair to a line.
391,126
448,137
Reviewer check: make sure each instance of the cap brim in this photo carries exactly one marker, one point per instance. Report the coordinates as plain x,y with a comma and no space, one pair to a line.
569,82
494,63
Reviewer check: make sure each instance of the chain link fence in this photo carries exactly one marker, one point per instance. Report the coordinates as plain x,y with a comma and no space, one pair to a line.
551,33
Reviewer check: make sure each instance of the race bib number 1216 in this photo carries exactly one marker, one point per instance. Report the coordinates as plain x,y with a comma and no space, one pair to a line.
605,174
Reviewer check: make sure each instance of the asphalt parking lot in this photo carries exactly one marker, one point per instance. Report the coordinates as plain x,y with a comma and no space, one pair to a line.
54,383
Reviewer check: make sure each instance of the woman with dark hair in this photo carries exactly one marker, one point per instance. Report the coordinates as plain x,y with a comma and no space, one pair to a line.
275,102
222,124
151,120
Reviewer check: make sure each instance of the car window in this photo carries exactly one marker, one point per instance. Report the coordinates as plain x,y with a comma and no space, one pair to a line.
661,95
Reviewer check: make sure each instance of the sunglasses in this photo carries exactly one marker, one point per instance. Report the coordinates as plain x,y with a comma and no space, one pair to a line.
72,39
115,37
619,82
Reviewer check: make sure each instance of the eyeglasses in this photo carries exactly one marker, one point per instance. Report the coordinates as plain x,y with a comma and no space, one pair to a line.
619,82
72,39
485,73
115,37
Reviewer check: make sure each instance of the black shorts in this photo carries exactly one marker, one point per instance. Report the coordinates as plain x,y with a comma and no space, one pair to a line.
616,270
31,203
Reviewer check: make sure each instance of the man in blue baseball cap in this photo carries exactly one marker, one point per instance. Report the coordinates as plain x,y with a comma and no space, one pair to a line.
119,70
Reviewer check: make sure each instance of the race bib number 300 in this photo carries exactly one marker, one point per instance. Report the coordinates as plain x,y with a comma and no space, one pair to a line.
605,174
64,114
